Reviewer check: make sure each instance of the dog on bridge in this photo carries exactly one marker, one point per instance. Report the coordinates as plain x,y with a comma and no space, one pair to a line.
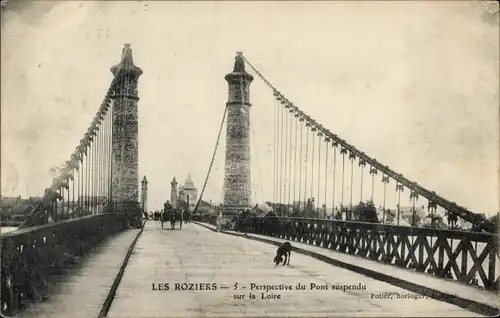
285,250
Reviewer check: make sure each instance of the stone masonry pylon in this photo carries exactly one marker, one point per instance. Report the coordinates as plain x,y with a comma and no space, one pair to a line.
237,177
144,194
173,193
125,147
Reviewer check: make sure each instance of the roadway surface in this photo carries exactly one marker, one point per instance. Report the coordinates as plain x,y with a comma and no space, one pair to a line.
198,255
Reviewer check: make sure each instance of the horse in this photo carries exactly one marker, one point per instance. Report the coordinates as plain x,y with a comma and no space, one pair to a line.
167,211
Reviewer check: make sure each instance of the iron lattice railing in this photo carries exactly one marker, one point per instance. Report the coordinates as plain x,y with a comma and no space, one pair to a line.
468,257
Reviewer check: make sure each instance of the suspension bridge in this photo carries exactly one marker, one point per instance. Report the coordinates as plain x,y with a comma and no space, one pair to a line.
85,250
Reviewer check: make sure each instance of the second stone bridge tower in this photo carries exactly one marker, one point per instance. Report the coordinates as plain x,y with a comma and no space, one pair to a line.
237,177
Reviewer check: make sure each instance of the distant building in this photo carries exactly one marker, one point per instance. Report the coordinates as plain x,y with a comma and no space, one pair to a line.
188,193
390,215
90,199
12,205
205,208
9,201
406,213
466,225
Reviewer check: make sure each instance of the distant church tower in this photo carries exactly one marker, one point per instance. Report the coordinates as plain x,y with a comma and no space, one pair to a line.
144,194
189,193
237,178
173,193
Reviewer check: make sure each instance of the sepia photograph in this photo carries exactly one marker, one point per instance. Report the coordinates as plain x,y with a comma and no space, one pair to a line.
249,159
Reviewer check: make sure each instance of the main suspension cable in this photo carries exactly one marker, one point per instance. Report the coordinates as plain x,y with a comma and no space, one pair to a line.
212,161
479,220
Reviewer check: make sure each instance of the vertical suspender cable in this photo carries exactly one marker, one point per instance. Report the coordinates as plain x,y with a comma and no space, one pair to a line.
280,156
87,181
306,164
372,172
74,172
312,168
92,170
290,114
301,159
319,173
110,154
326,173
275,110
352,179
295,162
334,146
342,189
99,167
284,142
361,164
285,185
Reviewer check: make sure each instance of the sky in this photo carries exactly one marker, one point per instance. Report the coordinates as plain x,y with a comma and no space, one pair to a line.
412,84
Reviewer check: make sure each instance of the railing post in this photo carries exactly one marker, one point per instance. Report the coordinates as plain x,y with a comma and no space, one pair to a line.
440,240
420,241
492,257
388,239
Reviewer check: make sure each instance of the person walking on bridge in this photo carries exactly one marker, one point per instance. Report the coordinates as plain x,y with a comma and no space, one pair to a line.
173,218
219,221
180,214
186,216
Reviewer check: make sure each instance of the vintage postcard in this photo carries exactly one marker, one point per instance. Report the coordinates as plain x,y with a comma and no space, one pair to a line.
249,159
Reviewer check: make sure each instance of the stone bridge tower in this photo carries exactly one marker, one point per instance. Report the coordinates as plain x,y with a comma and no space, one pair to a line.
144,194
173,193
237,177
125,147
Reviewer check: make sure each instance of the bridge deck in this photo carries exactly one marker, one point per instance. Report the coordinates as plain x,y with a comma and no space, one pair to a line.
196,254
443,285
82,290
